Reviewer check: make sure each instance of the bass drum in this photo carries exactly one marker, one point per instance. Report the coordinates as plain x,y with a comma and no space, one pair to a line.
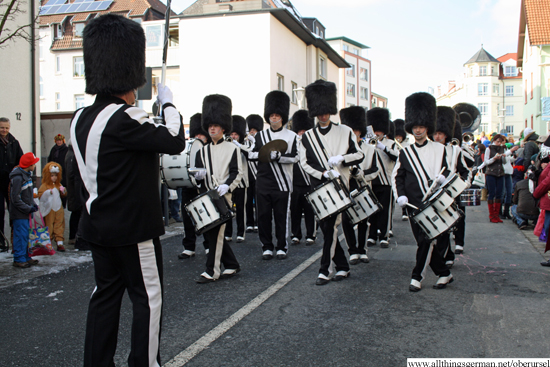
174,169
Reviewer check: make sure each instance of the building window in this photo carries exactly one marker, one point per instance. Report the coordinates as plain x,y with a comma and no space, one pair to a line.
351,71
350,90
364,74
364,93
483,108
78,67
525,92
294,87
57,101
323,67
280,82
78,29
483,127
78,101
509,110
58,64
509,91
510,129
531,85
57,31
483,71
482,89
496,89
493,72
510,71
345,47
154,36
356,51
41,87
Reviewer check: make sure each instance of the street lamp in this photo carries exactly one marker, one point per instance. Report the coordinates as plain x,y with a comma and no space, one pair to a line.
300,94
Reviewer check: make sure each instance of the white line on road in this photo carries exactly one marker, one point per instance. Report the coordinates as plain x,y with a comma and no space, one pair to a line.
203,343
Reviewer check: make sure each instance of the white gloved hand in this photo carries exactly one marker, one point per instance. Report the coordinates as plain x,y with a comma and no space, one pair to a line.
380,146
236,143
334,173
200,175
402,201
336,160
441,179
165,94
223,189
275,155
251,138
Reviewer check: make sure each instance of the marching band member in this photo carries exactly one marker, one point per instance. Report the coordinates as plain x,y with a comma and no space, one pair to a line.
189,193
223,173
116,147
401,138
328,149
444,131
417,167
385,157
255,124
355,118
238,196
274,180
301,122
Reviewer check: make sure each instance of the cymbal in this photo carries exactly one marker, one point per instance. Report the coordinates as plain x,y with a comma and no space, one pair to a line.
275,145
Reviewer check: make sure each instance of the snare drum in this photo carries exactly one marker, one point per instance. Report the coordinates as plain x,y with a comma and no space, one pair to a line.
434,222
454,185
208,210
366,204
441,200
174,169
470,197
329,198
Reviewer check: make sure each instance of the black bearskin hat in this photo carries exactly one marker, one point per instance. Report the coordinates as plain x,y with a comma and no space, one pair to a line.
114,55
239,127
302,121
379,119
195,126
400,128
458,130
355,118
446,120
277,102
321,98
255,122
420,110
216,110
391,134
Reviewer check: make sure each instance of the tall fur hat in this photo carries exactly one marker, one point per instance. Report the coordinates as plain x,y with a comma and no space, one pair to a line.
321,98
195,125
420,110
255,122
379,119
400,128
355,117
458,130
277,102
302,121
216,110
391,134
446,120
239,127
114,55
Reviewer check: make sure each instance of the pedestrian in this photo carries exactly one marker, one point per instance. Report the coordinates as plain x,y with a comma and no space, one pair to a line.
116,146
50,193
530,147
74,202
22,205
525,206
507,189
10,154
58,154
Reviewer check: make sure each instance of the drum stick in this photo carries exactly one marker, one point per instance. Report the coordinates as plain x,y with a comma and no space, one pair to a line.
412,206
433,185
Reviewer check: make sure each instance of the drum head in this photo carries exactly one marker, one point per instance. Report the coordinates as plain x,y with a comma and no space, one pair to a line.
193,146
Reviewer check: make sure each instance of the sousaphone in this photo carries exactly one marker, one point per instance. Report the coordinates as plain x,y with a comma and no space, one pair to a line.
469,115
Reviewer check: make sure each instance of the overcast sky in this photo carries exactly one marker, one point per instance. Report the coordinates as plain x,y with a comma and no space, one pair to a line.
415,44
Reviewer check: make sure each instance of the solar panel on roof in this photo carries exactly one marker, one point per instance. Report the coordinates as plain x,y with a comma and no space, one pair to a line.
60,6
104,5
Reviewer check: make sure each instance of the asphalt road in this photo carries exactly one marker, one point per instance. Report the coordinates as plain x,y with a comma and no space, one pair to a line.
272,313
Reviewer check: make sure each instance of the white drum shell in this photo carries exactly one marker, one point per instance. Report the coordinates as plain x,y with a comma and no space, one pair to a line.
470,197
434,223
366,204
454,185
203,212
321,199
441,200
174,169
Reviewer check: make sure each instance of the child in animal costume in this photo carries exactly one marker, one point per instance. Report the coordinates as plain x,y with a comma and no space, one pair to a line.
50,193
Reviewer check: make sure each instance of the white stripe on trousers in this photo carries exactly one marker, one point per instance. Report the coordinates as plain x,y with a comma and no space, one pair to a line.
218,252
334,243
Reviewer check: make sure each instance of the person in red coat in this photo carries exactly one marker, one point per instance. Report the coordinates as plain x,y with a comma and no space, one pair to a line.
541,192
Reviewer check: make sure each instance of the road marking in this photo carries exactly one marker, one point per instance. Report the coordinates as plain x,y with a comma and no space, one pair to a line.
203,343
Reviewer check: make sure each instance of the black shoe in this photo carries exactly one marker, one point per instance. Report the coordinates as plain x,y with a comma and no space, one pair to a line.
204,280
384,243
267,255
321,281
249,229
371,242
186,254
412,288
546,263
341,275
21,265
231,274
364,258
443,281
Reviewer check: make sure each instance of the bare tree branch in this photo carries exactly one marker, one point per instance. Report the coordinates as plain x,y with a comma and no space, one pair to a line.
9,14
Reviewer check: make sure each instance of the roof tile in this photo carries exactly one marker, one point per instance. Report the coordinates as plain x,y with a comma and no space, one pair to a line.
537,13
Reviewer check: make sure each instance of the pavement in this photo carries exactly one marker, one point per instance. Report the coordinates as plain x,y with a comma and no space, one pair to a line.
273,314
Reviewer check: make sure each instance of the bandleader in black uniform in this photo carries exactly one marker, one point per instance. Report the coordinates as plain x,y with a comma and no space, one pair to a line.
116,147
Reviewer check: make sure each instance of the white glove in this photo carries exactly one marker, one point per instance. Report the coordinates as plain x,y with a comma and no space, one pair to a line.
336,160
334,173
441,179
223,189
275,155
402,201
251,138
380,146
200,175
165,94
236,143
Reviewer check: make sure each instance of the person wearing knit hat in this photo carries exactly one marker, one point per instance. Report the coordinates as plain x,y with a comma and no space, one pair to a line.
328,150
255,124
274,178
418,166
116,146
530,146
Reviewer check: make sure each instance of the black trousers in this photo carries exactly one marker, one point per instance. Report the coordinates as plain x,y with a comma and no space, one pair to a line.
460,230
332,249
137,269
299,205
273,205
5,199
381,220
443,245
425,255
238,197
73,223
220,252
355,245
251,217
190,238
